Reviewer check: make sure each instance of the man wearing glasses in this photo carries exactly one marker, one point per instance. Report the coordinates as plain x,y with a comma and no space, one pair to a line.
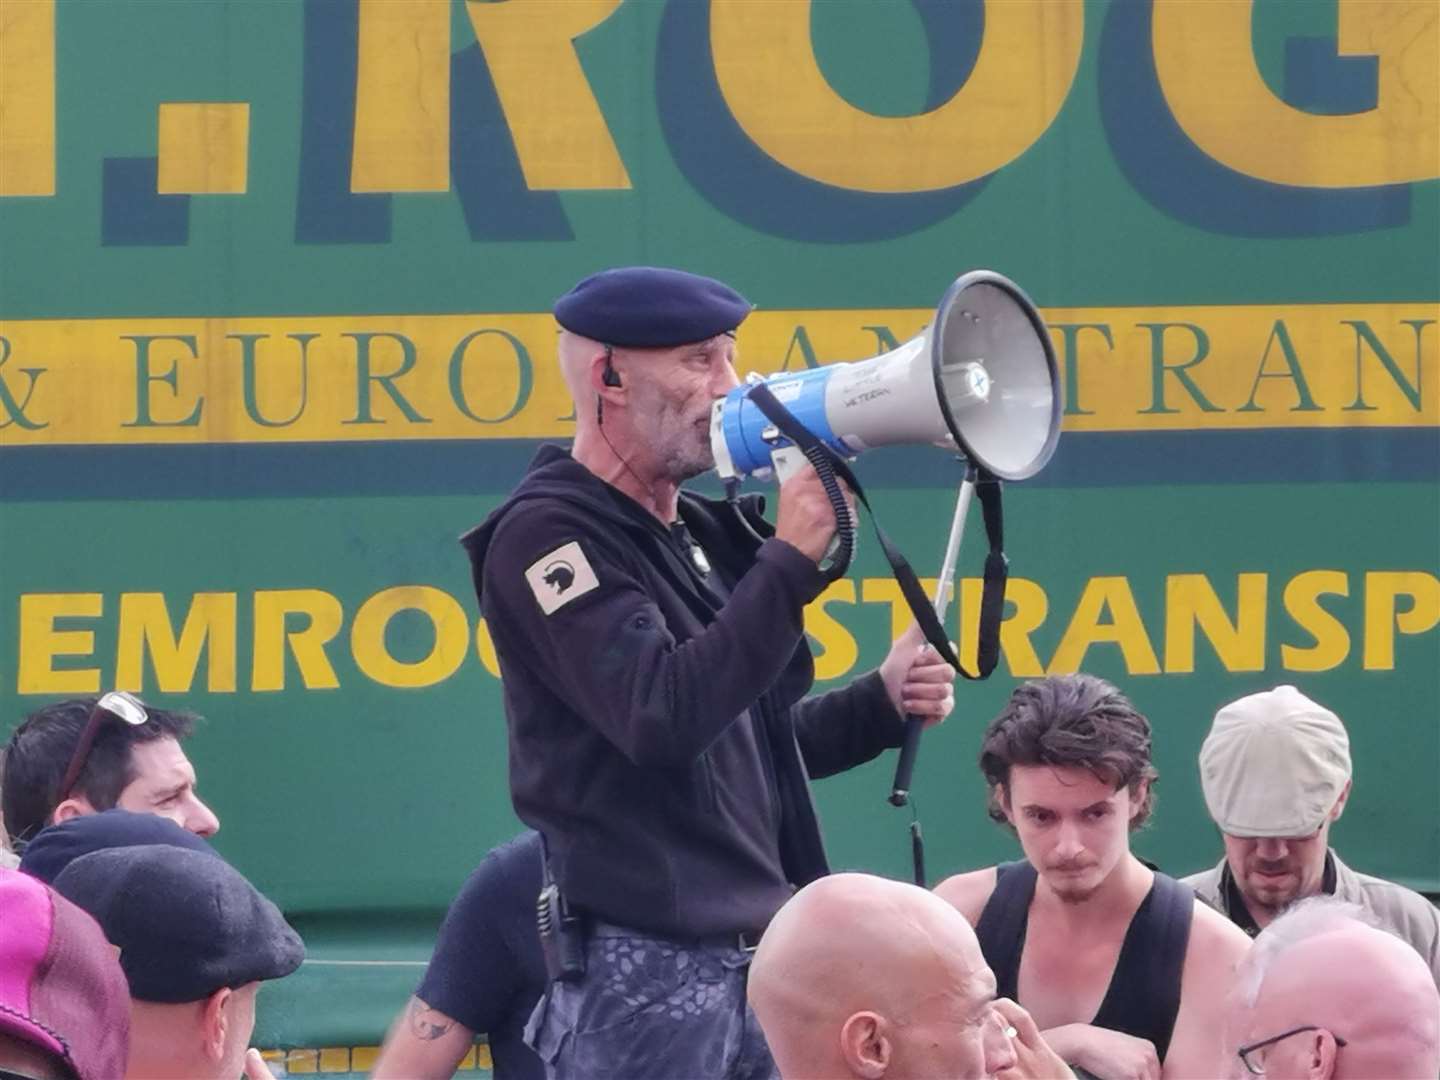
87,755
1324,995
1275,769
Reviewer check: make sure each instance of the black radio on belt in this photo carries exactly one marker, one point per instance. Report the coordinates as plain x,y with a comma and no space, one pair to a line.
562,934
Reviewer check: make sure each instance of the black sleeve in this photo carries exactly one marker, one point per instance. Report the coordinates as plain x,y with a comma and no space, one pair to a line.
847,727
474,976
608,653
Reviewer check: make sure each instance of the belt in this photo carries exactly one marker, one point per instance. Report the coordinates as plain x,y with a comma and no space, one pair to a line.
746,940
741,940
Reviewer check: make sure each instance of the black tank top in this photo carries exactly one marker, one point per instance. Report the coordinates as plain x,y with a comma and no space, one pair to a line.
1143,997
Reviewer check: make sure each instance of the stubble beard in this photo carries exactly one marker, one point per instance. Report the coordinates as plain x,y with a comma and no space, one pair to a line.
1271,900
1075,891
681,465
689,454
1075,896
680,444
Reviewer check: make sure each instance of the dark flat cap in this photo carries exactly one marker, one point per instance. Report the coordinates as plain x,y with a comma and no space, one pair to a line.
187,923
650,307
57,846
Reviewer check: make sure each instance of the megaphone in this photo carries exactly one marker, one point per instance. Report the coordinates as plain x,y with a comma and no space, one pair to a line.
980,379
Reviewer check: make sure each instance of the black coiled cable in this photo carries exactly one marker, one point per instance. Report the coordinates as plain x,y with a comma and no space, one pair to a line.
842,547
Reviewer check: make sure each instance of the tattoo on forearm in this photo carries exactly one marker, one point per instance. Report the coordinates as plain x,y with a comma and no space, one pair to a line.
427,1023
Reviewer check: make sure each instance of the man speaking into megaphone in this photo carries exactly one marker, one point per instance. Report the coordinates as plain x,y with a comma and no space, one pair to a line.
652,648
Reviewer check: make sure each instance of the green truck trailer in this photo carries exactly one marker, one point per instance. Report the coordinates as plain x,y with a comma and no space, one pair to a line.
274,288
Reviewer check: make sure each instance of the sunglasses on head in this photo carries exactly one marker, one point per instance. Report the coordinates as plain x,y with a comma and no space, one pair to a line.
117,703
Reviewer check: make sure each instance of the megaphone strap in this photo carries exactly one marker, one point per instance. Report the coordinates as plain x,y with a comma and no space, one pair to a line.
997,573
987,488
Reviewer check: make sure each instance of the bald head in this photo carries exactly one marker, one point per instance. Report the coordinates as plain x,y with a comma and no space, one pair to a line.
1349,980
861,976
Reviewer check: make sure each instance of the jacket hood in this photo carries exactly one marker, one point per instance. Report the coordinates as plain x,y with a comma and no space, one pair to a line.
554,474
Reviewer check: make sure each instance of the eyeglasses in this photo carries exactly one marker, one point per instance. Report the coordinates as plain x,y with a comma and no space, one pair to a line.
1257,1067
117,703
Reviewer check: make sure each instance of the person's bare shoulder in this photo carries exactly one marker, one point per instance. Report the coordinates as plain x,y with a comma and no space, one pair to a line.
1213,954
1215,941
968,892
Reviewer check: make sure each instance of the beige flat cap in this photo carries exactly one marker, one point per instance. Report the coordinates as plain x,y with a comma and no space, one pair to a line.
1274,764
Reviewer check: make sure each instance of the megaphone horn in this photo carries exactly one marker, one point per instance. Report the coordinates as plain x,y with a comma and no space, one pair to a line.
981,378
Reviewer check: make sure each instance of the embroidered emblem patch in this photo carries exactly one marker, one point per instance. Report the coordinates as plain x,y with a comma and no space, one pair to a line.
560,577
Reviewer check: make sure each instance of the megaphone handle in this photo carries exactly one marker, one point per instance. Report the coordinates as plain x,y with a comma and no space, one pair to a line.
905,766
788,460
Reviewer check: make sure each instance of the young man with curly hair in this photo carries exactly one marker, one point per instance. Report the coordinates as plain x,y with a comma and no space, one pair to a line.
1123,969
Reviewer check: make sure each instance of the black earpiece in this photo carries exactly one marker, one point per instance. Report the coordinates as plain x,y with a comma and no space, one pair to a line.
610,377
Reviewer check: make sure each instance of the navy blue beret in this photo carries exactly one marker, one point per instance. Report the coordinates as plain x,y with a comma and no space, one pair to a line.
650,307
186,922
57,846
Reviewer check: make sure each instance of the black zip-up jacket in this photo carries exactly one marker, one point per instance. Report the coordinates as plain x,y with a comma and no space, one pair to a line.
657,736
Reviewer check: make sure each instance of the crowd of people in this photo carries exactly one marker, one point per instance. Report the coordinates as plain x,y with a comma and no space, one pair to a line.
662,741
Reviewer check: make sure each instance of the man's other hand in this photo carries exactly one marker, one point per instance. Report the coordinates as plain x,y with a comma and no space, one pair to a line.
1034,1060
255,1067
918,681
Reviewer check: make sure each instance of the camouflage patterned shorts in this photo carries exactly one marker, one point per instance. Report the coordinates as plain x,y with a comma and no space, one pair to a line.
651,1008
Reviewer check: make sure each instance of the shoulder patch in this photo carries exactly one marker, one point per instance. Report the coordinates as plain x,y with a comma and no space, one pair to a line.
561,576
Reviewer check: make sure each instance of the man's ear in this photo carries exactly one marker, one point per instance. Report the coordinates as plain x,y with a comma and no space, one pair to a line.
1320,1055
602,364
865,1045
216,1021
73,807
1340,802
1138,791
